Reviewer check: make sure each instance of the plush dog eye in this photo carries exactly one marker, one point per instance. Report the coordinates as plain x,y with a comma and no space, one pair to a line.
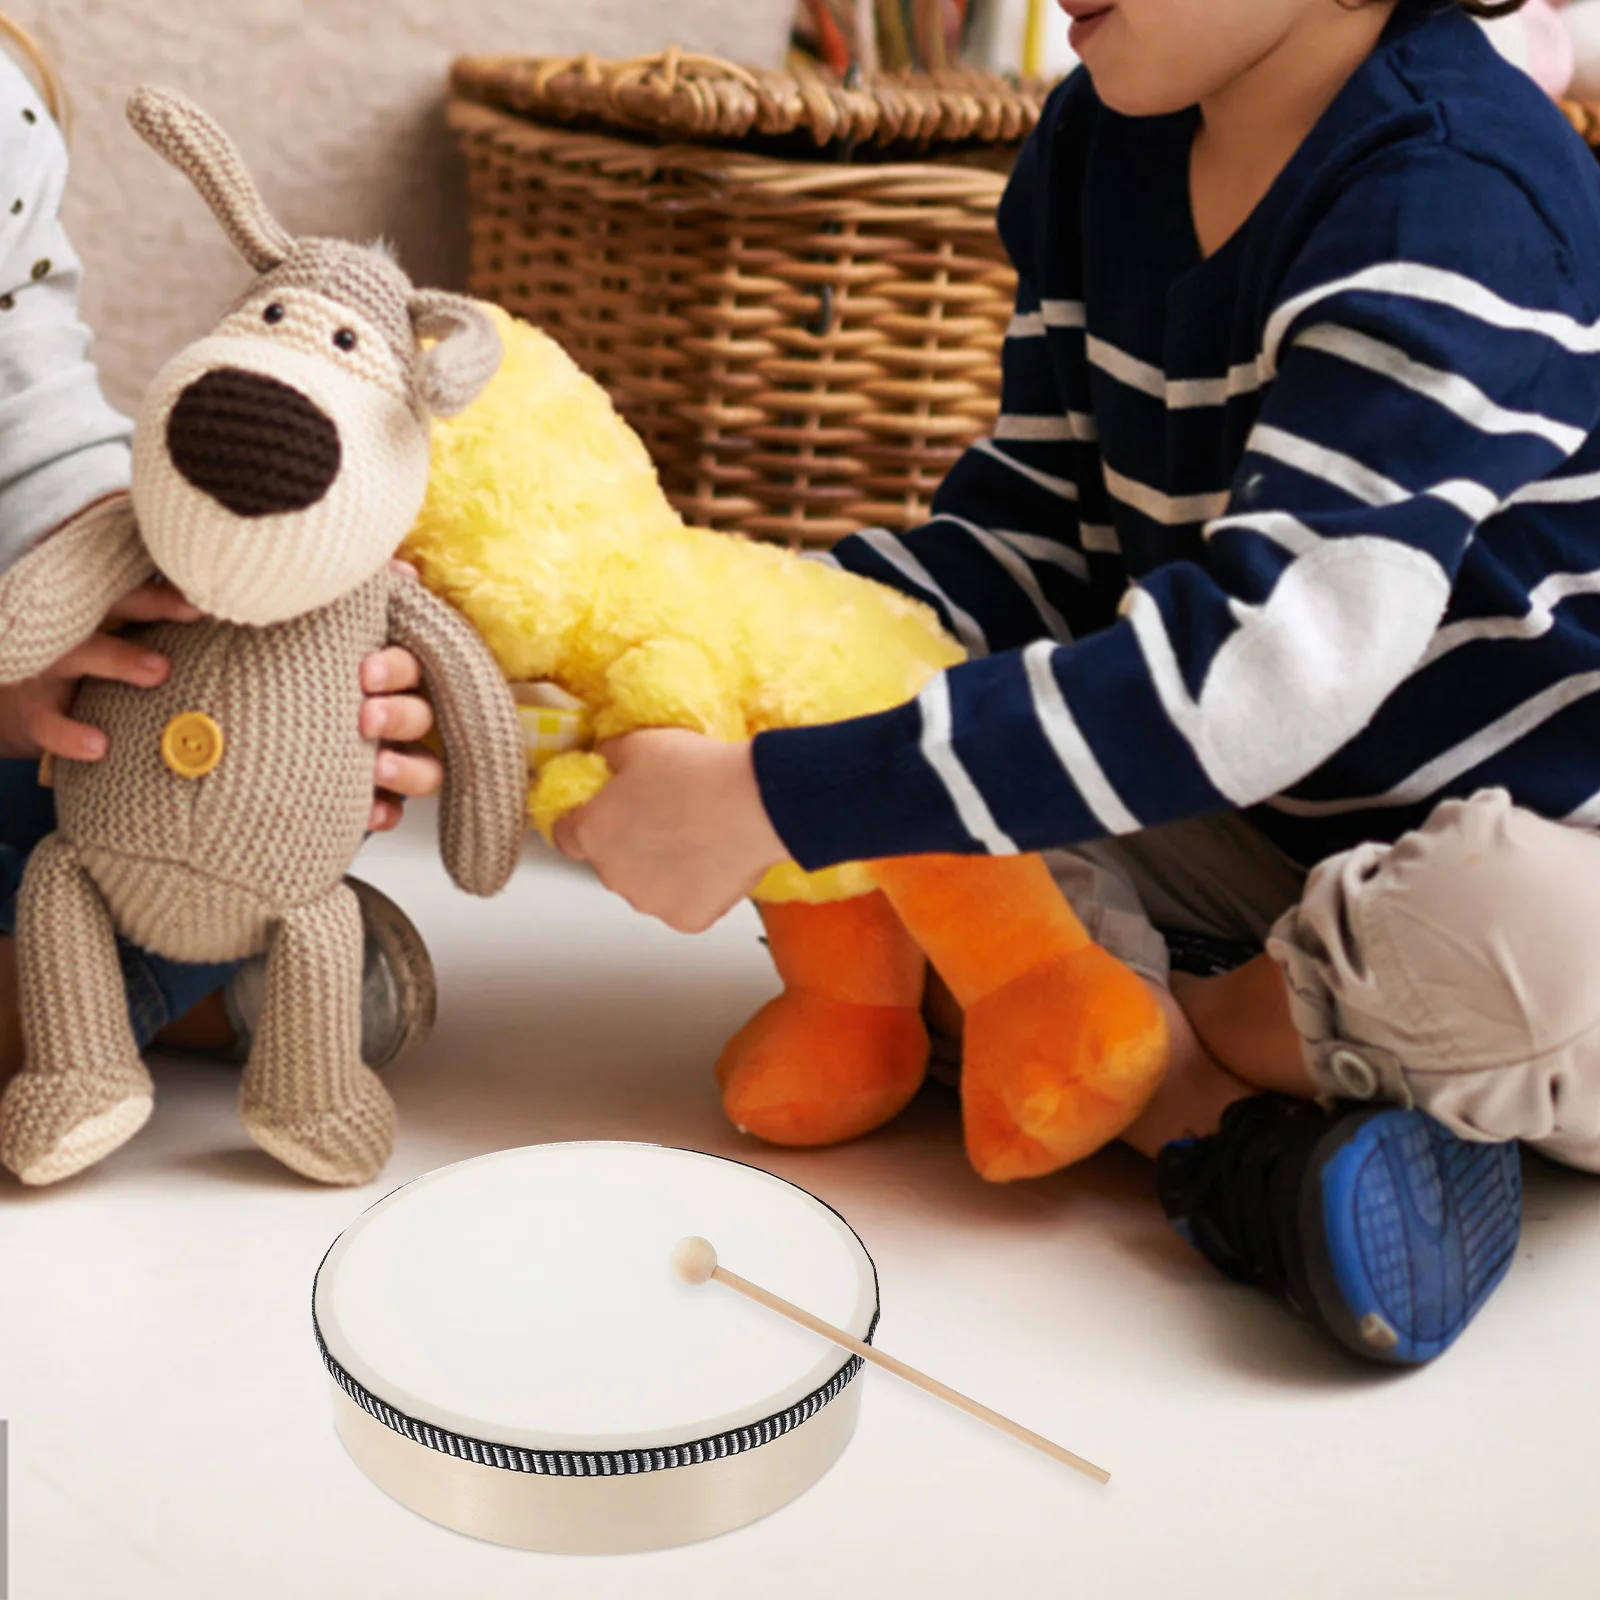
345,339
273,313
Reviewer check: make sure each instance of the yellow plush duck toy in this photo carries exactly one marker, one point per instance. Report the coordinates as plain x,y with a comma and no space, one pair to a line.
546,525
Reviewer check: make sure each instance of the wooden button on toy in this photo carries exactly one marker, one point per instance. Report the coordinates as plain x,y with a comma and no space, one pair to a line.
192,744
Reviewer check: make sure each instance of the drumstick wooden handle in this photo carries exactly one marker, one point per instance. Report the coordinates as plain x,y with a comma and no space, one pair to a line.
695,1261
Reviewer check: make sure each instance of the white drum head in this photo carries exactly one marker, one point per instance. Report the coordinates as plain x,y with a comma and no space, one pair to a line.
517,1314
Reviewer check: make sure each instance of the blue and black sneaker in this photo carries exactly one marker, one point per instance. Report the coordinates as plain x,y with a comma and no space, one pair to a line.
1375,1223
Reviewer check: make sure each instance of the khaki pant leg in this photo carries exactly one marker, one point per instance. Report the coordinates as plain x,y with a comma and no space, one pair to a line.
1455,970
1214,875
1217,876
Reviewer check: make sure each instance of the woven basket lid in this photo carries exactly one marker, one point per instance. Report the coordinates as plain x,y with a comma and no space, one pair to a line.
680,96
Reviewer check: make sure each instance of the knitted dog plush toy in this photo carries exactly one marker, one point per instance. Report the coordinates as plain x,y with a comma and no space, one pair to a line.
545,524
277,465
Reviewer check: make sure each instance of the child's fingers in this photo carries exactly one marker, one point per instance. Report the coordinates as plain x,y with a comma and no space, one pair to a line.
60,736
619,750
154,602
391,671
104,655
411,774
385,816
399,718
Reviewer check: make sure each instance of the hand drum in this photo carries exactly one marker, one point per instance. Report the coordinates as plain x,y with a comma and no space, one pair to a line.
515,1359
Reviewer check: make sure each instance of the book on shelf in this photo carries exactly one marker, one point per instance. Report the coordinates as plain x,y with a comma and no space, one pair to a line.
896,35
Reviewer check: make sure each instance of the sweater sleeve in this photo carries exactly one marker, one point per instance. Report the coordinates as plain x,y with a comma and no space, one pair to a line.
61,445
1423,374
1003,557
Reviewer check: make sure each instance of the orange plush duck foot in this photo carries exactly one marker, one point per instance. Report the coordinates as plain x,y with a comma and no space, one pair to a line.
807,1070
1063,1046
844,1048
1057,1063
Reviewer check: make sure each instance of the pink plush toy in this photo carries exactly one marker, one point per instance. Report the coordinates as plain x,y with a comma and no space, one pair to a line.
1581,23
1548,39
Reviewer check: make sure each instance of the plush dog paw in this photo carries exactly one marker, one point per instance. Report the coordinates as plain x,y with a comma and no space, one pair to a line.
347,1144
53,1125
1057,1063
809,1070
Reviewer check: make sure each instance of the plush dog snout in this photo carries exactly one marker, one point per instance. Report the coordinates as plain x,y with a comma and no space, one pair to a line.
252,443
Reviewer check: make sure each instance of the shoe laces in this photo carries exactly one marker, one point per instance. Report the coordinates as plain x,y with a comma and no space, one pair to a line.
1237,1193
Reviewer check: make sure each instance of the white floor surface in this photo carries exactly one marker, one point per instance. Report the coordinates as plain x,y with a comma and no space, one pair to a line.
170,1421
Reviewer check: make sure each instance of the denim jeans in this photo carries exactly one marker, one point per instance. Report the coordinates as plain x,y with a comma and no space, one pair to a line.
159,991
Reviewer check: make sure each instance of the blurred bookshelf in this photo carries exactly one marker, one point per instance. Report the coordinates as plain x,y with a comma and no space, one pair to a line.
1024,37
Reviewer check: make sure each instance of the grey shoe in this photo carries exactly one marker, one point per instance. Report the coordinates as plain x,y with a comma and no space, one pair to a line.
399,995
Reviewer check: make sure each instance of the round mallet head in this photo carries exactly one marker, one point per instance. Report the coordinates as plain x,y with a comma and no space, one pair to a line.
694,1260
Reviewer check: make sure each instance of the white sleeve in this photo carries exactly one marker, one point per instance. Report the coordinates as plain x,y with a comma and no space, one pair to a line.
61,444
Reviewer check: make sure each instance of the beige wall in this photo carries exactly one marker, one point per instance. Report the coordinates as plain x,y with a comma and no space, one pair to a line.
337,104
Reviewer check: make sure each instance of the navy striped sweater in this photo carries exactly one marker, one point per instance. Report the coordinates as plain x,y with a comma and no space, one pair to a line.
1308,528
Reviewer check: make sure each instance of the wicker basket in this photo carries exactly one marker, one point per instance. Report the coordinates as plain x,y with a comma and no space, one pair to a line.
678,96
804,345
1585,117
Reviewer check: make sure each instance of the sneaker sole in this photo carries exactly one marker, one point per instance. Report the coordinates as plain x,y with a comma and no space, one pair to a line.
417,989
1407,1232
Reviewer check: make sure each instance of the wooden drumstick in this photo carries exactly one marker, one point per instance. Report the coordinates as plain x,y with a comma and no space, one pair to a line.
695,1261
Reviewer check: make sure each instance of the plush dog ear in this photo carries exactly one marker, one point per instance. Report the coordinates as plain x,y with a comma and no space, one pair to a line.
465,353
178,130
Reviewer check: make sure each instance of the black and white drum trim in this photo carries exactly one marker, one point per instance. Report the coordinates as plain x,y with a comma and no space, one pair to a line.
605,1464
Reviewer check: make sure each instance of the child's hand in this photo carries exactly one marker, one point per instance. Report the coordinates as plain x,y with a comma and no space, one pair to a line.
34,720
680,831
33,714
405,770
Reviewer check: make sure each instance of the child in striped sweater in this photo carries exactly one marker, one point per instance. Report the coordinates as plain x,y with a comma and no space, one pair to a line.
62,448
1280,580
